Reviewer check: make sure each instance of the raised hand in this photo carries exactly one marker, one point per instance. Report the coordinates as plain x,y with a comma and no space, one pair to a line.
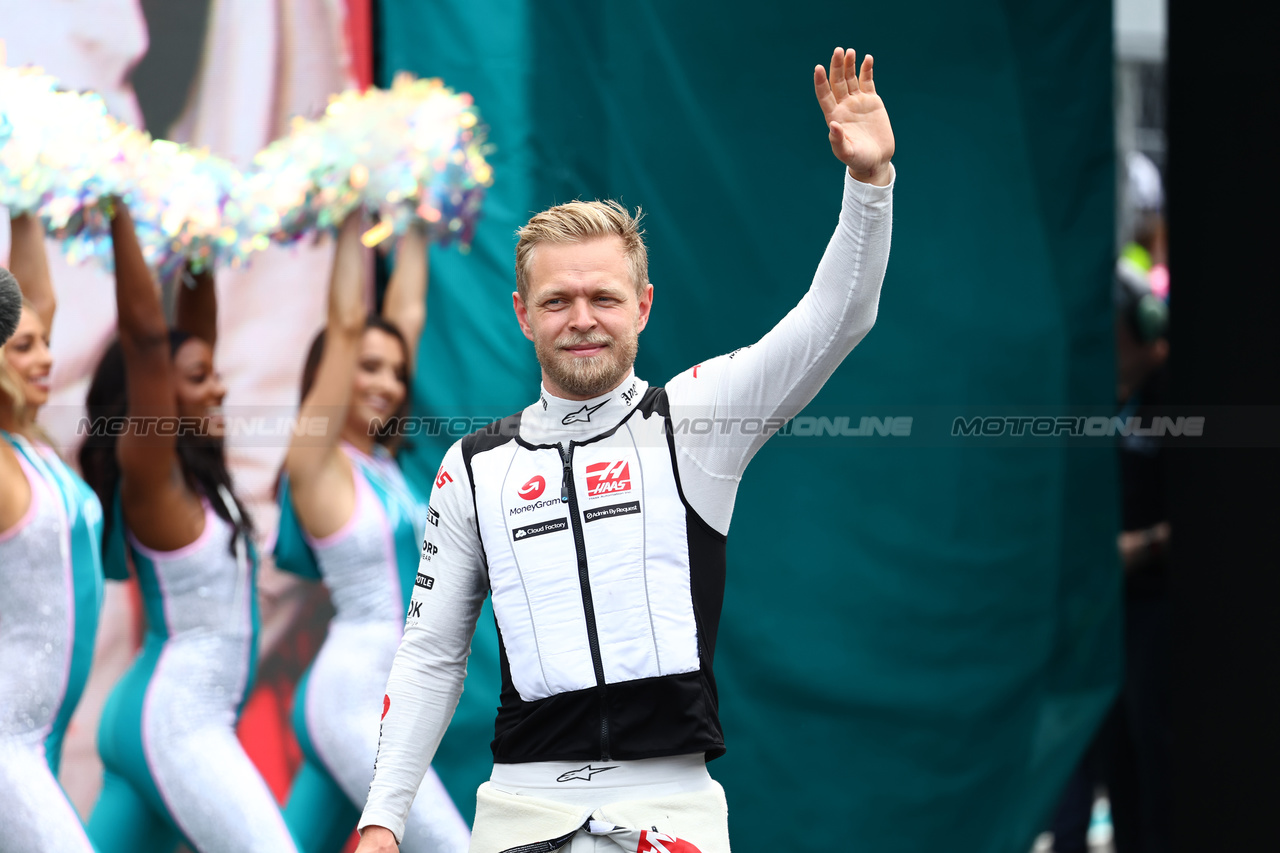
857,121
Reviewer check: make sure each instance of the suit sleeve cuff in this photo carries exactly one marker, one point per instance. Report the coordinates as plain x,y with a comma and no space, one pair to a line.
868,194
378,817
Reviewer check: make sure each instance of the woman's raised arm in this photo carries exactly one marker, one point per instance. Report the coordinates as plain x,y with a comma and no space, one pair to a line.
196,308
162,511
30,267
320,480
405,302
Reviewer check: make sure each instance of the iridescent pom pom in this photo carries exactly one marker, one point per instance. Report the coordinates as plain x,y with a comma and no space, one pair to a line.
61,153
63,157
413,153
189,207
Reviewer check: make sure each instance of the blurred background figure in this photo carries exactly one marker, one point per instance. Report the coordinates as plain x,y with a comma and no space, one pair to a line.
1138,757
1134,741
1146,249
1123,778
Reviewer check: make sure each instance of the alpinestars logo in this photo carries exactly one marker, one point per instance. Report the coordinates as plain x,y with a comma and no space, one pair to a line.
608,478
583,774
583,415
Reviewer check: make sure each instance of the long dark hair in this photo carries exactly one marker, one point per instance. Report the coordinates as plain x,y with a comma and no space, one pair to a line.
203,462
388,435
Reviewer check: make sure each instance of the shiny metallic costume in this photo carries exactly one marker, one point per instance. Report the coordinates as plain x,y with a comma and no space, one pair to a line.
341,699
168,737
36,639
83,513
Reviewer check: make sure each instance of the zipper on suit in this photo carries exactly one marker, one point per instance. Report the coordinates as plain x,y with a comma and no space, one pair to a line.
568,494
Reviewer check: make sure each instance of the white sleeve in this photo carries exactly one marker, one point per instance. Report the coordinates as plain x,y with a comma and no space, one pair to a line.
431,663
748,395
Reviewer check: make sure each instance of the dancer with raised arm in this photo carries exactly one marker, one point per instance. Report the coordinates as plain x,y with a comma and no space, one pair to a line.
349,518
600,530
174,770
51,566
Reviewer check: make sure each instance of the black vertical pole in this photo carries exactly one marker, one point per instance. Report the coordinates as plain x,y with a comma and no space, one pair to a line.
1224,355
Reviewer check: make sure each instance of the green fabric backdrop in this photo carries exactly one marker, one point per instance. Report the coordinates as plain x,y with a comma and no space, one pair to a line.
917,638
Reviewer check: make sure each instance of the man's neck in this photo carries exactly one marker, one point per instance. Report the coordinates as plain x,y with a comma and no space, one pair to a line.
554,419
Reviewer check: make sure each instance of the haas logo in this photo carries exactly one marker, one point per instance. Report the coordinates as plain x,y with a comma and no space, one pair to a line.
534,488
608,478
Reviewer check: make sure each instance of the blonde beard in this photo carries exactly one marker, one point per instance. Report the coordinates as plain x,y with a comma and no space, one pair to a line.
588,377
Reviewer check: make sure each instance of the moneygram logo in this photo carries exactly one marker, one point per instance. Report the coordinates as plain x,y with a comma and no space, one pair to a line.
608,478
534,488
536,505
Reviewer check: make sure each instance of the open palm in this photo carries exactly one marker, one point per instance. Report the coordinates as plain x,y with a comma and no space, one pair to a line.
857,121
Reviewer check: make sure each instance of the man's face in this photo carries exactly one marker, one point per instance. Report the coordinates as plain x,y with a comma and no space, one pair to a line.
583,315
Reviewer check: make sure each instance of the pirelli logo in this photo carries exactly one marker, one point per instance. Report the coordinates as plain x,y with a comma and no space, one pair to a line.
555,525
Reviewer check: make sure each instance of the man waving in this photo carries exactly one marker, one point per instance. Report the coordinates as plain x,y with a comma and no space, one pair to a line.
597,521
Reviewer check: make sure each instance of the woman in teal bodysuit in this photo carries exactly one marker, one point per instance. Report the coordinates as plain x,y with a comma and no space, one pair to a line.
50,562
348,517
174,770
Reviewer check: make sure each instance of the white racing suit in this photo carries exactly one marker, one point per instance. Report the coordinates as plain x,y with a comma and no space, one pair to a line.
599,528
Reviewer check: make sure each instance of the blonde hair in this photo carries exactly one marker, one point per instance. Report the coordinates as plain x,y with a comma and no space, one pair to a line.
11,396
577,222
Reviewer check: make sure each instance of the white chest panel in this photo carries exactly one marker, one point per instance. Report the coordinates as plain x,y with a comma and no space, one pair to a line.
635,542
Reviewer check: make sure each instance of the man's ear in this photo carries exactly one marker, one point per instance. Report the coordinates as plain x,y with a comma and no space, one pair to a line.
522,314
646,302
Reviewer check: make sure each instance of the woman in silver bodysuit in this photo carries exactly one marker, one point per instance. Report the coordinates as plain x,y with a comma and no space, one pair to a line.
50,565
174,769
349,518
